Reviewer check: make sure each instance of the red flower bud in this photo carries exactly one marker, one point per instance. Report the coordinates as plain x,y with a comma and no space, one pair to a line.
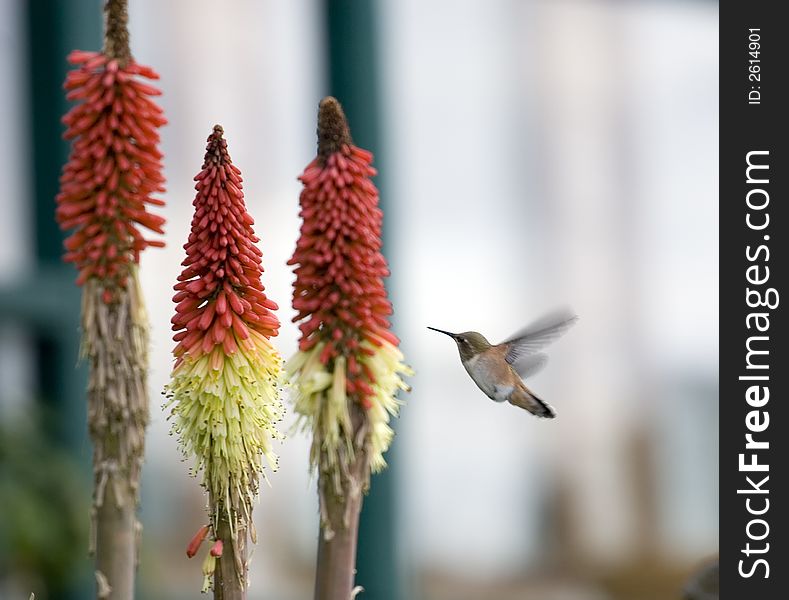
216,549
198,538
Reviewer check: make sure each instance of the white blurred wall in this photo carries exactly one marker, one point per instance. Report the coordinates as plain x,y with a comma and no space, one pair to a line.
545,153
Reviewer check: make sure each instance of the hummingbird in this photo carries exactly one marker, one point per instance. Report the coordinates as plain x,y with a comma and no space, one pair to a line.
499,370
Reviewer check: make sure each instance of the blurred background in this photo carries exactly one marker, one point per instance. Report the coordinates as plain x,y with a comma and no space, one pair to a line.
532,153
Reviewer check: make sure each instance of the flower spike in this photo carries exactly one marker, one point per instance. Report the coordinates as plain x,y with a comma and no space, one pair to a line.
223,394
109,183
348,369
114,169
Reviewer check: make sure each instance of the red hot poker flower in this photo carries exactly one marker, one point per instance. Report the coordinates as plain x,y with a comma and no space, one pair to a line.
348,367
220,297
107,186
113,170
224,390
339,291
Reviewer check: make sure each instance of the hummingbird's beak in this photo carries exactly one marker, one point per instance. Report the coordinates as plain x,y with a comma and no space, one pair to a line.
452,335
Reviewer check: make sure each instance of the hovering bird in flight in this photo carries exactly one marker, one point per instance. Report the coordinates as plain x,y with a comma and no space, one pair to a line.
499,370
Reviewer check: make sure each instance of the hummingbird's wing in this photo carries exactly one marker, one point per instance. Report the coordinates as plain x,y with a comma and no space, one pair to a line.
530,364
538,334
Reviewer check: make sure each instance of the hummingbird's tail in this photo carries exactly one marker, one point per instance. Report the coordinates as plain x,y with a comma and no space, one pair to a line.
524,398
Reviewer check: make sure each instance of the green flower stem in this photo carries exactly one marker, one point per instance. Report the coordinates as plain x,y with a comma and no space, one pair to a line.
228,585
116,544
334,578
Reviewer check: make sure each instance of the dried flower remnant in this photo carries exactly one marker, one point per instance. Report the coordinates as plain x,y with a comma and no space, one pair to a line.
223,393
208,568
348,368
114,169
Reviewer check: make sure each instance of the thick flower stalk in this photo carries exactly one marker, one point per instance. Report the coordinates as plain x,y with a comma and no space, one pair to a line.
224,391
107,186
348,369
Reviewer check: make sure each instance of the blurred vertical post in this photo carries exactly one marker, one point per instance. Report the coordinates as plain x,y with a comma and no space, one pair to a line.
53,27
351,27
43,302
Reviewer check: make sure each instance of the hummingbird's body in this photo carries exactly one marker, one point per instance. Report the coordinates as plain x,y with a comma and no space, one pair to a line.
498,369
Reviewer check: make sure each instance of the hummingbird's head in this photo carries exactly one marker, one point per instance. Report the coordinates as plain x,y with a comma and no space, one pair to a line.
470,343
